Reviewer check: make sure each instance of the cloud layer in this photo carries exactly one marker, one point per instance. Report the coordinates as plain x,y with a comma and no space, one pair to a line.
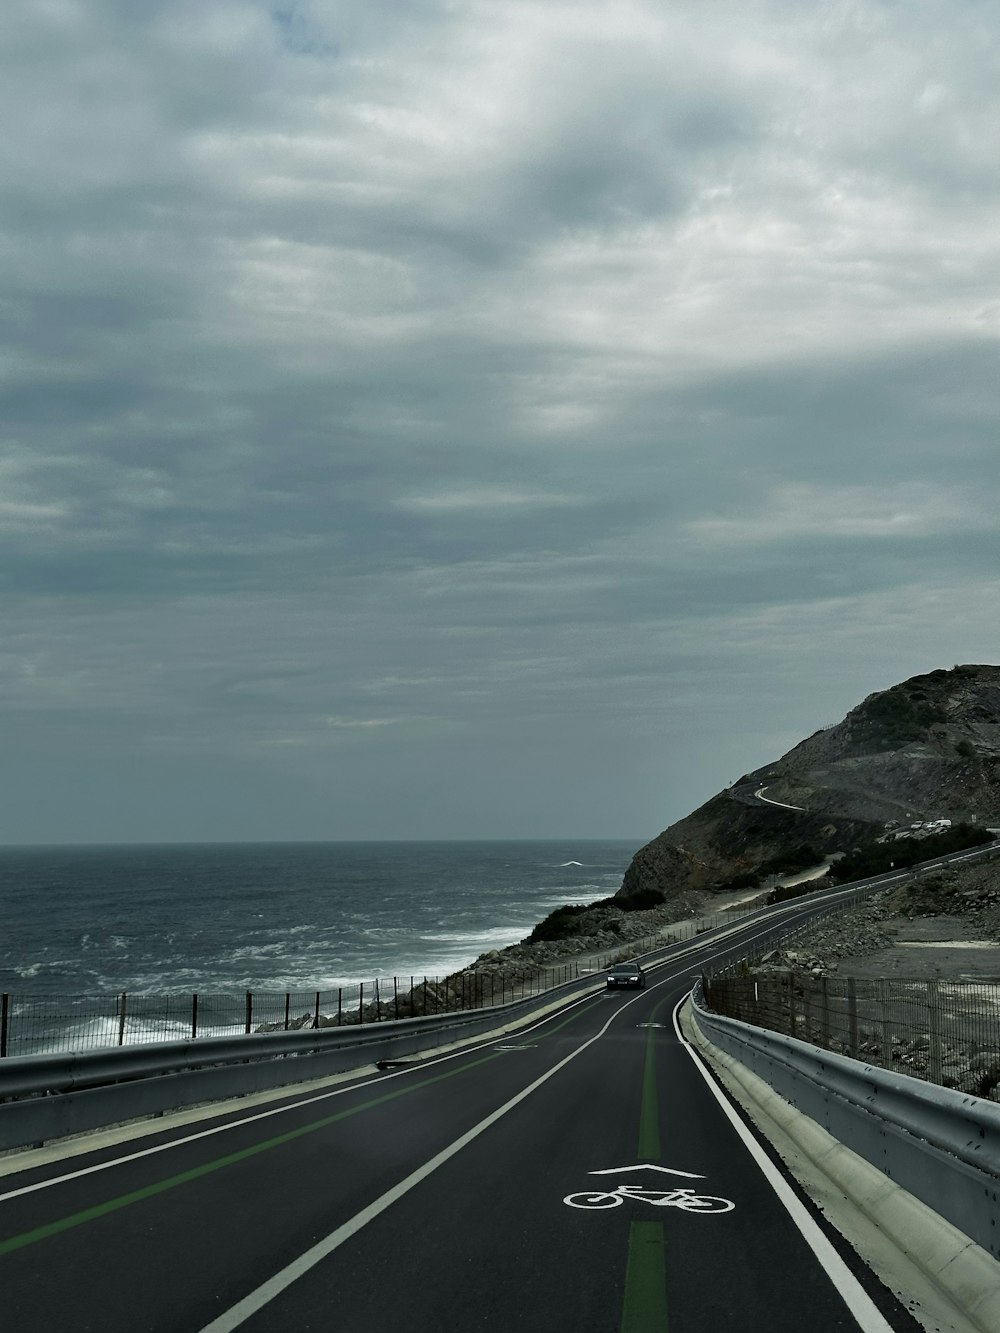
447,420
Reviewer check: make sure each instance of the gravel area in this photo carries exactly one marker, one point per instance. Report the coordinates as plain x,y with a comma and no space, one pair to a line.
945,924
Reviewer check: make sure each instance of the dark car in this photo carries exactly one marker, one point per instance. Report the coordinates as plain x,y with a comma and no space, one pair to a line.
626,974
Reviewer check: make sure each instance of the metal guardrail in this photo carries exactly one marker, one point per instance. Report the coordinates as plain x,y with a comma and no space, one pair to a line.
50,1096
941,1145
44,1097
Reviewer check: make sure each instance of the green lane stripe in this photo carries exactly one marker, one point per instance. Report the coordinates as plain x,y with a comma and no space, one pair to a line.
645,1307
649,1113
571,1017
217,1164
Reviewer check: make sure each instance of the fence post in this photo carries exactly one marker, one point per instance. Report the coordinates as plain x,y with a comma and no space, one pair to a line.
791,1003
122,1002
361,1002
852,1018
316,1012
249,1012
425,997
825,1015
288,1008
934,1032
194,1015
340,1005
378,1003
4,1019
395,997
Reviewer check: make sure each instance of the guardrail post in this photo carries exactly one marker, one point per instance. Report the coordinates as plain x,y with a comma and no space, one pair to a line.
122,1002
248,1018
4,1020
194,1015
934,1032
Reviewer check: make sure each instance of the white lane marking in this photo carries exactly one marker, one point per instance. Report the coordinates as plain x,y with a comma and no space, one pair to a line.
274,1286
857,1300
265,1115
694,947
686,1199
768,801
645,1166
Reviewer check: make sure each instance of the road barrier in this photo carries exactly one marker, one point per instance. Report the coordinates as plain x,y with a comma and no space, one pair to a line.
940,1145
947,1032
52,1095
44,1097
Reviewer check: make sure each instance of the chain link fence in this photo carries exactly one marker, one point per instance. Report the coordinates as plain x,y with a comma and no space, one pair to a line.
45,1024
946,1032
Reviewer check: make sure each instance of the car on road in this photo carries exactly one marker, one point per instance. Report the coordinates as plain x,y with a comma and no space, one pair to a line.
626,974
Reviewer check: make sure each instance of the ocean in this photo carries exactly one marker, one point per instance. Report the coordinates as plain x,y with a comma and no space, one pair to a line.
276,917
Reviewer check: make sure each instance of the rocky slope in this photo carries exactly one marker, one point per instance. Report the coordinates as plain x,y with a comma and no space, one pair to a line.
928,748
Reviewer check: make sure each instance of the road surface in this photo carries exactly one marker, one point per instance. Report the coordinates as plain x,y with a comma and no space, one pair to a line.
585,1174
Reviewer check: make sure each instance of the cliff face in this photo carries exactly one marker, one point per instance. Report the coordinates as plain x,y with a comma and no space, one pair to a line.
926,749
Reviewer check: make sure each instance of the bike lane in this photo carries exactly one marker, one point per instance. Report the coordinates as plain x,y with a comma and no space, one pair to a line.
740,1246
223,1210
687,1232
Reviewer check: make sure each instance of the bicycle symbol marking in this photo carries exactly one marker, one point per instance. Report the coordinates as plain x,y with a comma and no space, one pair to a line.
684,1198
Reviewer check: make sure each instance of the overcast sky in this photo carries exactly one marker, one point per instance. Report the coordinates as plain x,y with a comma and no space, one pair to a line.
464,419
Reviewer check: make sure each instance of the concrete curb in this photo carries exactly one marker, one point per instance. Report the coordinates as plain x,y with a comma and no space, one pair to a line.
947,1282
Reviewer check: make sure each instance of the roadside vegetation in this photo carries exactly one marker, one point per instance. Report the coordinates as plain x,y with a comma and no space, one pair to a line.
878,857
895,718
572,919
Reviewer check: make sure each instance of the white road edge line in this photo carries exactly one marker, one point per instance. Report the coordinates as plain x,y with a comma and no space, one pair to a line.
859,1303
366,1081
68,1176
274,1286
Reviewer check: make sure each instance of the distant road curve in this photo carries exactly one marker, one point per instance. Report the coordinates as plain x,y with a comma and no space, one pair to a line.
747,794
759,793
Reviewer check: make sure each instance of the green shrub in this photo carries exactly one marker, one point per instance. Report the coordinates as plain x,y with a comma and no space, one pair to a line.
876,858
746,879
640,901
786,891
562,923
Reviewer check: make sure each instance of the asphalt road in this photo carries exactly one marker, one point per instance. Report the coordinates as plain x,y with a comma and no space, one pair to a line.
586,1174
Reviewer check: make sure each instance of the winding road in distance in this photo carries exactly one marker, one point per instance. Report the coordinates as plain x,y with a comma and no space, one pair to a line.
586,1173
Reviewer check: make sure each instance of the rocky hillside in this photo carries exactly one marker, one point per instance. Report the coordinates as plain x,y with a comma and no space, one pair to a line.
926,749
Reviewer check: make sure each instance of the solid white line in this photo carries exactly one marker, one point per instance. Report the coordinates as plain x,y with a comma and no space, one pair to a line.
857,1300
767,801
274,1286
276,1110
692,947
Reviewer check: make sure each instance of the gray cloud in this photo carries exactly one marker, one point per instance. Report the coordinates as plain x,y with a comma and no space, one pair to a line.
441,420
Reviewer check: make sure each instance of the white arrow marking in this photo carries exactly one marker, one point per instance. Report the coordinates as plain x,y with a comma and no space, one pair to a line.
667,1170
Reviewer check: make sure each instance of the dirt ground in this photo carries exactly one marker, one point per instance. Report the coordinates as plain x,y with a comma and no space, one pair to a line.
928,947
